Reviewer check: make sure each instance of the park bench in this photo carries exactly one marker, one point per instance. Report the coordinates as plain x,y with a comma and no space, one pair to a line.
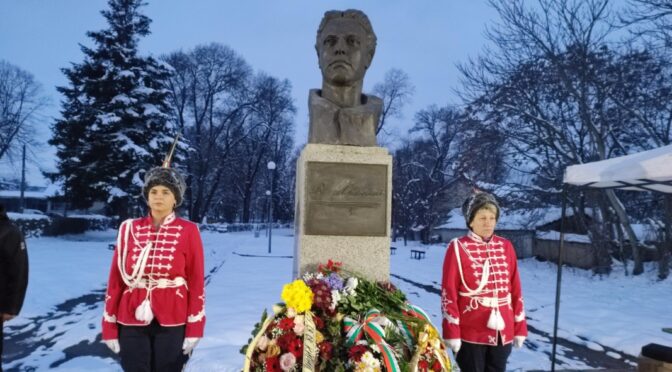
417,254
393,250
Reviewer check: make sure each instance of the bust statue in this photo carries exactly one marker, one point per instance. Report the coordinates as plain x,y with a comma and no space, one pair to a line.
339,113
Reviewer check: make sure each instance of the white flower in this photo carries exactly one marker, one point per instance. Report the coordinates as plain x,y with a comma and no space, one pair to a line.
335,297
351,285
375,348
382,321
262,344
277,309
370,360
287,361
299,325
291,312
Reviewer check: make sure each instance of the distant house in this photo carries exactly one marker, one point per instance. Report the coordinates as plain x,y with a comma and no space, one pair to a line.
34,198
518,226
47,200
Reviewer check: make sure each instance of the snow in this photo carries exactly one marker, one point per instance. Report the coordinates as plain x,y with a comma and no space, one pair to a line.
634,169
89,216
122,98
126,73
129,145
555,235
644,232
26,194
511,219
116,192
150,109
26,216
108,118
616,312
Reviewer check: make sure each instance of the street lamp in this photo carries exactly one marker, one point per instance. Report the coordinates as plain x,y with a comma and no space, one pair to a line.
271,168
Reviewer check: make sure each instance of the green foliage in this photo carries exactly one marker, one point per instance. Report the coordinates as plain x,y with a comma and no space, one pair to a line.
370,295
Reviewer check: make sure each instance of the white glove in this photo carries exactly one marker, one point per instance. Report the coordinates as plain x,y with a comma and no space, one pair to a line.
113,345
518,341
454,344
189,344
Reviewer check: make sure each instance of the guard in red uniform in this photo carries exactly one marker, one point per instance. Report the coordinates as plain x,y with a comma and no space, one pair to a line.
481,298
155,302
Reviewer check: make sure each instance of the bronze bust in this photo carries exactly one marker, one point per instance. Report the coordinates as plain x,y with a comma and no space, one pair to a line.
339,113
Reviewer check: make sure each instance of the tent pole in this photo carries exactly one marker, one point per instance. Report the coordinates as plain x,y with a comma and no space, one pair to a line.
559,279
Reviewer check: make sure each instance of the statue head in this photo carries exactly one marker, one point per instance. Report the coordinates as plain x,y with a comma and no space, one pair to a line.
345,46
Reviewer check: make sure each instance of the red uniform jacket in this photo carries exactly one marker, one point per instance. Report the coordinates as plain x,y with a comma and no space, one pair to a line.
466,309
173,271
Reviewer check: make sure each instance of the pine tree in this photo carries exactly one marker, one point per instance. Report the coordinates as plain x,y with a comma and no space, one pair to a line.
115,123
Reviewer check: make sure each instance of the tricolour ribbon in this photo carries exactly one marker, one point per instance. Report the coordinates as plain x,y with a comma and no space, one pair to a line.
355,330
411,311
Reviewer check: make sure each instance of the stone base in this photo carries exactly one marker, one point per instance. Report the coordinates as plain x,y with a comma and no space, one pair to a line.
365,251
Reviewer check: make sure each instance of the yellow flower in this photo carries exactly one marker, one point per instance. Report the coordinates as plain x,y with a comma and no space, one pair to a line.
297,295
319,337
273,350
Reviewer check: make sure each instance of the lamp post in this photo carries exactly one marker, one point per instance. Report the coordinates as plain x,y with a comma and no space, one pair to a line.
271,168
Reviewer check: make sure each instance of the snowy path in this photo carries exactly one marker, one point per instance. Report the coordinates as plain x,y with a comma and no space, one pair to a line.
589,352
59,327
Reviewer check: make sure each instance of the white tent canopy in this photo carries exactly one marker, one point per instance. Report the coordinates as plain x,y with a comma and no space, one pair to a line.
648,170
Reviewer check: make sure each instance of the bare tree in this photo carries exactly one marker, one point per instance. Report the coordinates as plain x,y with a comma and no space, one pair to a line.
546,84
425,169
396,91
20,102
650,20
269,139
211,101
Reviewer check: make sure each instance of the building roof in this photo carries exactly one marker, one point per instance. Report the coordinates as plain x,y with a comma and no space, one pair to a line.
520,219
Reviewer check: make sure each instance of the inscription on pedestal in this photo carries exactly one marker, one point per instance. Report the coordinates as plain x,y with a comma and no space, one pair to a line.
346,199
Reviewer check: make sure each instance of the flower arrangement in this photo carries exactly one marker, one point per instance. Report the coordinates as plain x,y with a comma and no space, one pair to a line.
336,321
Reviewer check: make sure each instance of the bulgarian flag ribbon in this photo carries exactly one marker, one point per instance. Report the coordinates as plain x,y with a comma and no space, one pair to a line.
356,330
414,312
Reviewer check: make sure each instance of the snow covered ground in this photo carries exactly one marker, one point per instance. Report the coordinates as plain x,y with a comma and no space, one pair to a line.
59,326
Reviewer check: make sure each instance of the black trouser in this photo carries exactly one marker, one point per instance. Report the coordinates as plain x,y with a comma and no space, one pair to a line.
482,358
151,348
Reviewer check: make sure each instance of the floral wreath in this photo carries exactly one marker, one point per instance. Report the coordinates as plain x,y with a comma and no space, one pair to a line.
333,320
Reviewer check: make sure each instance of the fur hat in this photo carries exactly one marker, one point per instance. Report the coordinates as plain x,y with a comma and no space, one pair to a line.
475,202
167,177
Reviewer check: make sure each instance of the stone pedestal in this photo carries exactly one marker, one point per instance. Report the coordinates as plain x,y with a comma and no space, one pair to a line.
343,209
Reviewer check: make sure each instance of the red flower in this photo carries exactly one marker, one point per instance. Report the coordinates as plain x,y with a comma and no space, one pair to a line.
286,324
423,365
436,366
285,341
273,364
326,349
355,353
330,267
319,323
389,287
296,348
321,294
